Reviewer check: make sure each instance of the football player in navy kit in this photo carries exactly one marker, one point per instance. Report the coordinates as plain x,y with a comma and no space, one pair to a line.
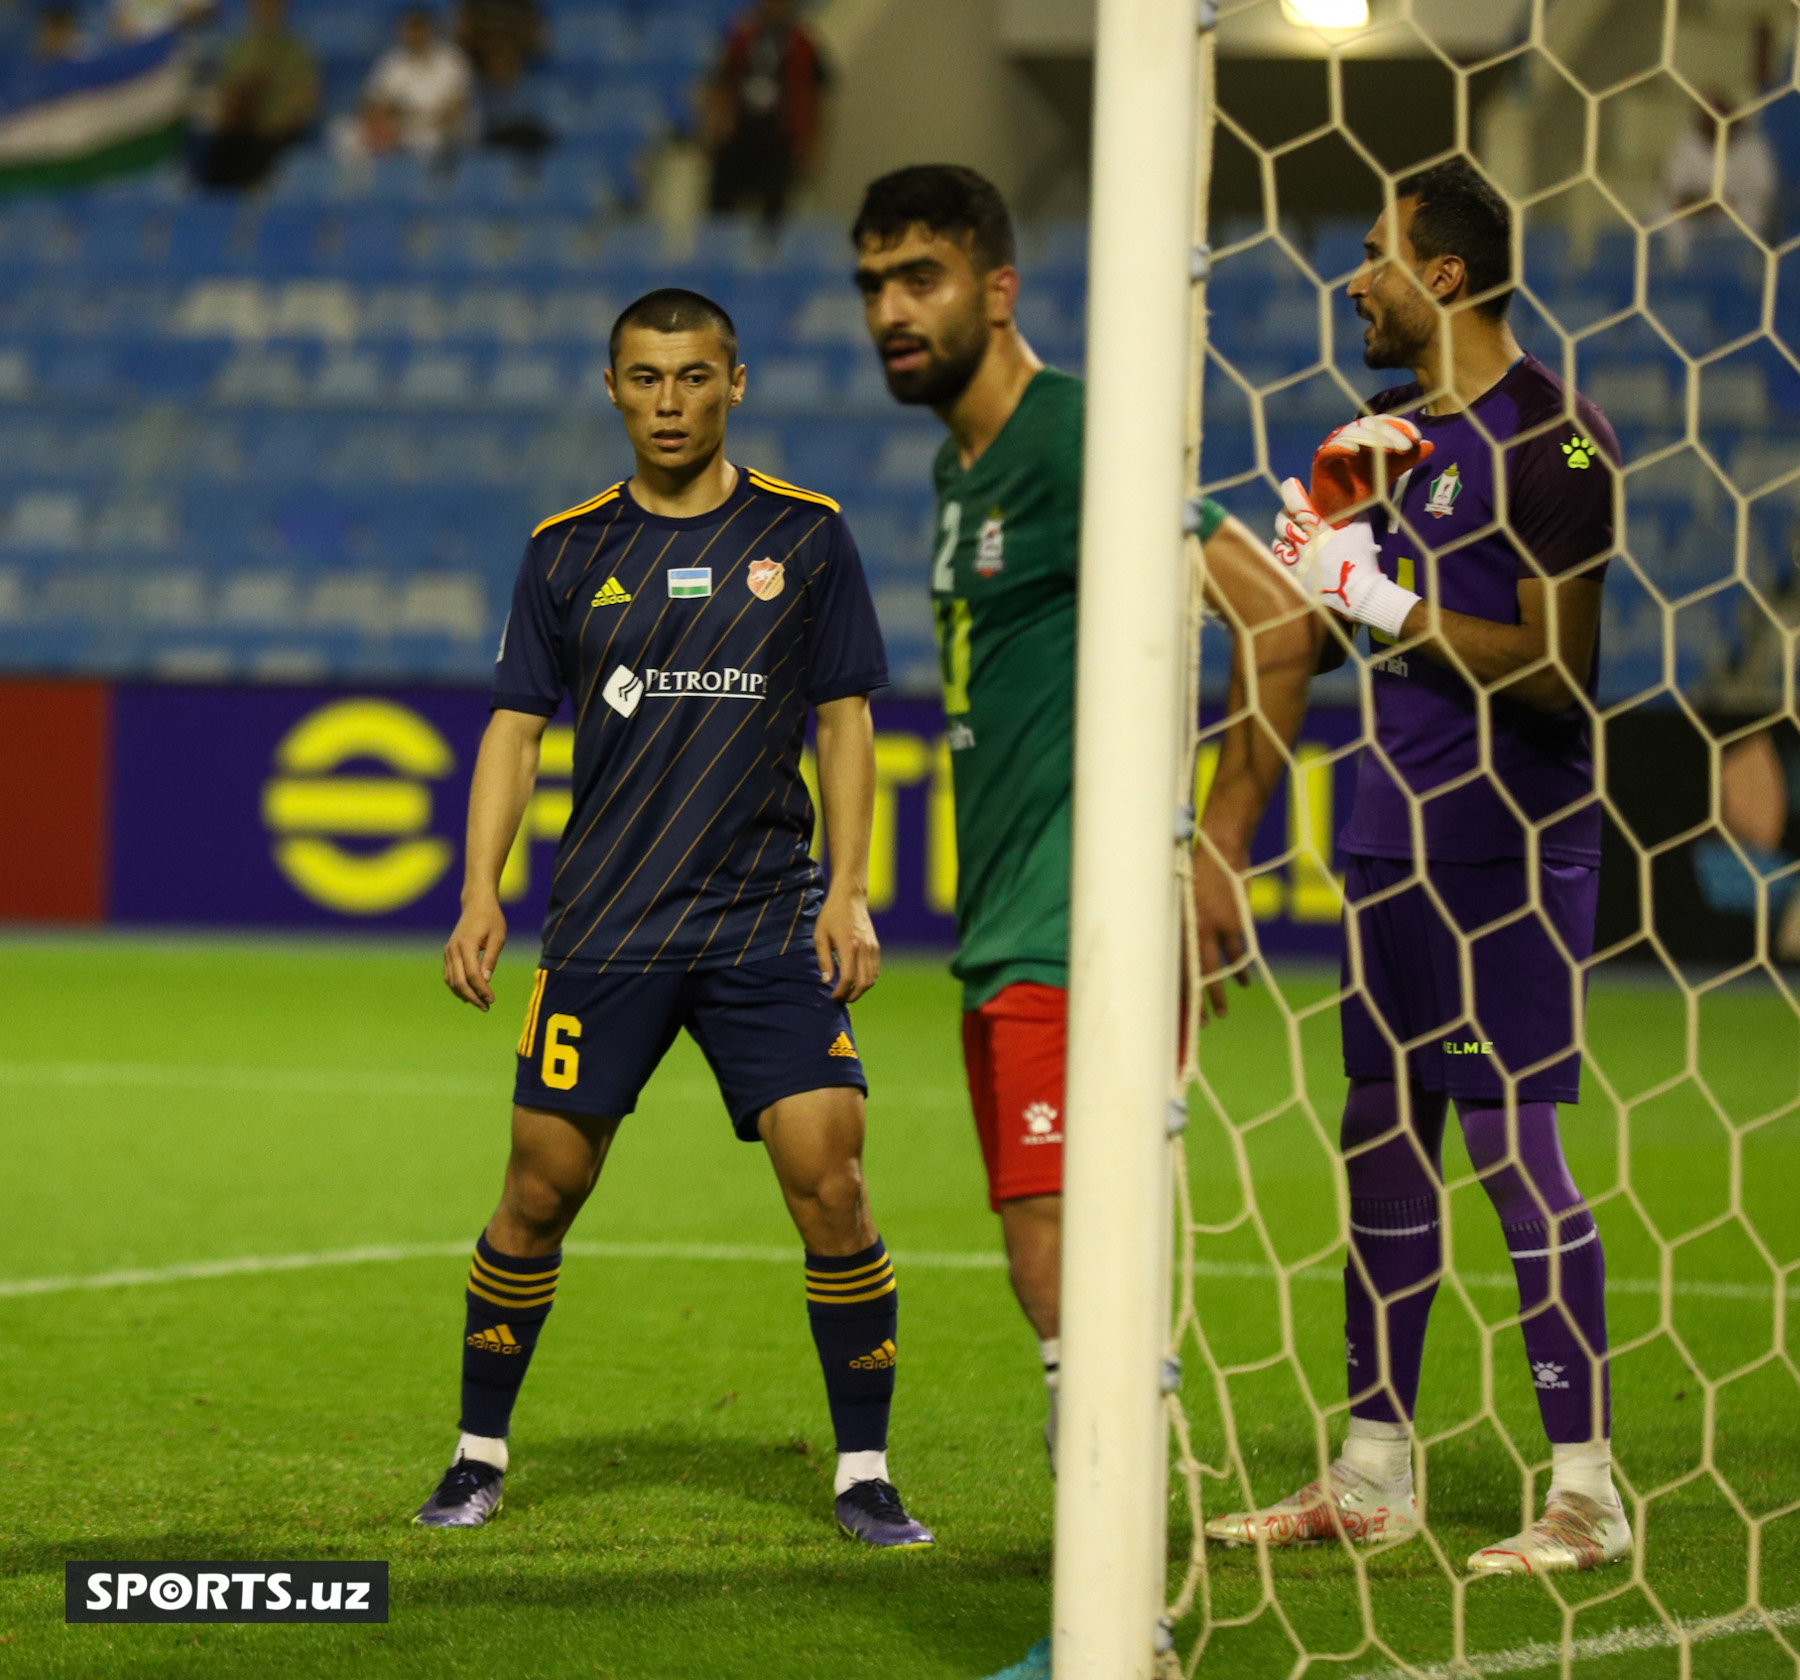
691,616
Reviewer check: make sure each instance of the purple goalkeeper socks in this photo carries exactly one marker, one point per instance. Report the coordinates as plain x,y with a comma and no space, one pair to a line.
1396,1250
1557,1258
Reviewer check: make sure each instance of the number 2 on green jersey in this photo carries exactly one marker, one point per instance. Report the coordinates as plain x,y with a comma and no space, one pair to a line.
943,568
952,615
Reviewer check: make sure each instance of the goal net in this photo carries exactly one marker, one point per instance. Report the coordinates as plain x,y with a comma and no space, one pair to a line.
1638,145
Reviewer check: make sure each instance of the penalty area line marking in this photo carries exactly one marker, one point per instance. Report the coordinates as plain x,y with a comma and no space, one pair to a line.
1594,1647
250,1265
326,1082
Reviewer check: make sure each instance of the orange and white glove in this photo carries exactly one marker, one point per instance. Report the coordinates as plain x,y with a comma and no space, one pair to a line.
1344,470
1337,568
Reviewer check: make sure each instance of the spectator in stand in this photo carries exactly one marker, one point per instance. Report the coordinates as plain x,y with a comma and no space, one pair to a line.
133,20
1749,182
57,37
765,110
506,40
419,98
266,98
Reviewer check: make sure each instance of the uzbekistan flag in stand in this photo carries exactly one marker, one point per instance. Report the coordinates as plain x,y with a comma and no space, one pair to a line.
117,109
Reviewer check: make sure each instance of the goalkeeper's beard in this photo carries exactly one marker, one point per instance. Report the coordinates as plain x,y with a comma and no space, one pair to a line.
1392,345
947,370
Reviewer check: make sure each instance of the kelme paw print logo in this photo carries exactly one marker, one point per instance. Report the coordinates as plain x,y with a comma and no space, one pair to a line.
1580,451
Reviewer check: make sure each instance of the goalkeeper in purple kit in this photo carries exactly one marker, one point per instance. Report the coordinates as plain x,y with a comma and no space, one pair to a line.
1466,522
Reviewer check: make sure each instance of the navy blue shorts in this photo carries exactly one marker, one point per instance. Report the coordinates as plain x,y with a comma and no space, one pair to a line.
1521,1018
768,1029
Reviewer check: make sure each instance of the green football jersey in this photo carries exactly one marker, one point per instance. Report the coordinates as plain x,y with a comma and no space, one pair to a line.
1003,598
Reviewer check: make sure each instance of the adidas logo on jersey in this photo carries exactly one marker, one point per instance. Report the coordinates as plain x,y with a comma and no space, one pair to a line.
497,1340
841,1046
612,593
882,1359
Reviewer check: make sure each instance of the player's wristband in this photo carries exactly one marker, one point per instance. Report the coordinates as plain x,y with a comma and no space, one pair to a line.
1372,597
1383,604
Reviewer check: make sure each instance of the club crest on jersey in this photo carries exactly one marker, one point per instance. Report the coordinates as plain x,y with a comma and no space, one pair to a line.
1445,488
990,545
687,582
767,579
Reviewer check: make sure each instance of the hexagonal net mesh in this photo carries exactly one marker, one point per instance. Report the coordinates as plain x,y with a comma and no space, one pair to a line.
1644,151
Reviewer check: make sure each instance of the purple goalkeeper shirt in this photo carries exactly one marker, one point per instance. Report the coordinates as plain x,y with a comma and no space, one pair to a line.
1515,488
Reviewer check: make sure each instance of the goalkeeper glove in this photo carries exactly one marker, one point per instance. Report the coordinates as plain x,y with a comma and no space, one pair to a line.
1337,568
1343,469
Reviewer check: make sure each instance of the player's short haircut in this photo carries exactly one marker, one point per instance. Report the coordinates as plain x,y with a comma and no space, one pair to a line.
673,309
946,199
1460,214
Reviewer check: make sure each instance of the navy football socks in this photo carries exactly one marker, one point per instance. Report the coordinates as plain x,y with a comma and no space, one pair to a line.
508,1301
853,1304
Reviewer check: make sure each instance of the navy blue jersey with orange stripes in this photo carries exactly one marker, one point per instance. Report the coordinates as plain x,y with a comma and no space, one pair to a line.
689,650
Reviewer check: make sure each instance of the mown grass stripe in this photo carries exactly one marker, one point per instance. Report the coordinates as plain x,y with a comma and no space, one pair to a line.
1544,1653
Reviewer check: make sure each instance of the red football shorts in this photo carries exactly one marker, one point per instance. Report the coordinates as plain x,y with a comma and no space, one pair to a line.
1015,1047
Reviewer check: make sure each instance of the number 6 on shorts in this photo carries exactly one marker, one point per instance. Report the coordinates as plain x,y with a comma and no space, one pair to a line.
562,1062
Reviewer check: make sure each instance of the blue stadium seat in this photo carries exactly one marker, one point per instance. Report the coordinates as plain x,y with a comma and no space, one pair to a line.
373,243
205,238
495,181
680,36
306,176
124,236
575,182
627,110
346,32
1337,249
162,370
288,238
600,36
77,372
397,179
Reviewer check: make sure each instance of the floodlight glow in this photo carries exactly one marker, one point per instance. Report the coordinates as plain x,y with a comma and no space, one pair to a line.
1327,14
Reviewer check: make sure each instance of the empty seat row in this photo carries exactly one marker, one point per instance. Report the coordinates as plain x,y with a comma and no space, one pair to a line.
186,598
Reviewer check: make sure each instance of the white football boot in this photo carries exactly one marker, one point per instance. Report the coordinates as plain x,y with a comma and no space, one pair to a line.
1347,1502
1574,1533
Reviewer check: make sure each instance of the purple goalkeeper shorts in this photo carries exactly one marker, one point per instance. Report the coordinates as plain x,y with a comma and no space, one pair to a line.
1410,1008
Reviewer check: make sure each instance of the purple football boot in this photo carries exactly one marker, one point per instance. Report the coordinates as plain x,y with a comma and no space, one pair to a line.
872,1513
470,1493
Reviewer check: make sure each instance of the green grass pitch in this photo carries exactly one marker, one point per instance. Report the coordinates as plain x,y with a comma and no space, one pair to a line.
171,1104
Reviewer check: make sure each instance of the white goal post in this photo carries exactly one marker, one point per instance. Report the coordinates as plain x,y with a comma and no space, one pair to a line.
1131,741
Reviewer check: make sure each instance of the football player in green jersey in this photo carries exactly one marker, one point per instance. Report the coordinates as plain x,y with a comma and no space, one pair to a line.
935,265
